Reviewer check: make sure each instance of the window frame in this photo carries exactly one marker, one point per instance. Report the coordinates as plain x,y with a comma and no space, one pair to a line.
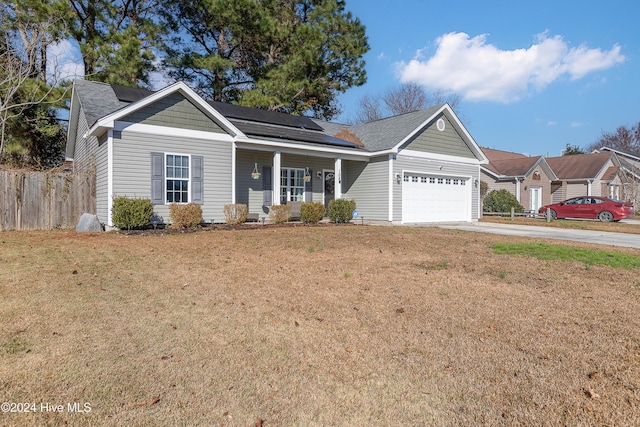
173,178
286,194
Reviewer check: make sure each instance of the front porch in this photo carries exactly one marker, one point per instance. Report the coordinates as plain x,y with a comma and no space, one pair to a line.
267,177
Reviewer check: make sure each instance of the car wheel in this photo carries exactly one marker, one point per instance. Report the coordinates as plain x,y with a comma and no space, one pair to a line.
605,216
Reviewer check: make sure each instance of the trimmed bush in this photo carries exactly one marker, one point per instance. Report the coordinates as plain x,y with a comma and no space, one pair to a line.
312,212
235,214
128,214
185,216
279,214
501,201
341,210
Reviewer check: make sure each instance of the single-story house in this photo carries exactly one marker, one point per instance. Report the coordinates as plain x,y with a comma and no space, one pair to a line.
173,146
528,178
595,174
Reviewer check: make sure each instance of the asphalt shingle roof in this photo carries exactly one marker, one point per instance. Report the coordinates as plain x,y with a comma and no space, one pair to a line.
579,166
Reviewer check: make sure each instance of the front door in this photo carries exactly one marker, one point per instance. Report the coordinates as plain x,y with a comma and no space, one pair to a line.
329,179
535,198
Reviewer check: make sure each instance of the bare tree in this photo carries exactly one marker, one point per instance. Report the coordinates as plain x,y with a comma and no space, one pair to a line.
20,84
624,138
406,98
369,109
402,99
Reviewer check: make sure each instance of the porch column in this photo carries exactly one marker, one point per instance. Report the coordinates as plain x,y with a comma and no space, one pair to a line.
589,182
276,178
518,182
338,178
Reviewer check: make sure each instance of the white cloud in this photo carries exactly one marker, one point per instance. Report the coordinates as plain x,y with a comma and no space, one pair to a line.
64,62
576,124
552,123
479,71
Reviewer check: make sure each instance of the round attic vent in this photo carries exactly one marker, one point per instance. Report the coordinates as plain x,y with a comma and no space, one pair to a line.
440,125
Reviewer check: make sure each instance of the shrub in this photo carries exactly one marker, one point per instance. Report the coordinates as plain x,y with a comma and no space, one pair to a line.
131,213
279,214
312,212
235,213
341,210
185,216
501,201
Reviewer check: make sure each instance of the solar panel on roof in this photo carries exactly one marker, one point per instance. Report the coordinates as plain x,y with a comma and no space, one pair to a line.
255,129
130,94
232,111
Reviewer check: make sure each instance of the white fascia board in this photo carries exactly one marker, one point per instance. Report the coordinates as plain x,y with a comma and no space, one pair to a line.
171,131
292,148
73,125
439,157
108,121
475,148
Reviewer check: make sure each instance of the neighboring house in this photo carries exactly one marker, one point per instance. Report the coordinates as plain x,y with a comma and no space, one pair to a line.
629,174
173,146
595,174
527,178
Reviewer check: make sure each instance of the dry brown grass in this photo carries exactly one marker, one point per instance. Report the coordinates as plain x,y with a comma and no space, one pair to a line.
305,326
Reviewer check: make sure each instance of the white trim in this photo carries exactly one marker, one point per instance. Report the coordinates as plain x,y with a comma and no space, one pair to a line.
441,125
392,182
110,178
338,179
165,178
171,131
233,174
439,157
518,192
275,187
292,148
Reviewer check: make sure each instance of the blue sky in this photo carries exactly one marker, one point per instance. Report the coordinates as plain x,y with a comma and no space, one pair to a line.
533,76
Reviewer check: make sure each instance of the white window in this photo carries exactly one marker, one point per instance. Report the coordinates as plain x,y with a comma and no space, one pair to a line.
177,178
291,185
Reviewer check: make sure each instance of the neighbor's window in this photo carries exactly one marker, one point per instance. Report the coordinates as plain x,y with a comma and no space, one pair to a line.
177,176
291,185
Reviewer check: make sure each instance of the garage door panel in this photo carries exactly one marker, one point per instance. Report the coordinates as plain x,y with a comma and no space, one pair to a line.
427,198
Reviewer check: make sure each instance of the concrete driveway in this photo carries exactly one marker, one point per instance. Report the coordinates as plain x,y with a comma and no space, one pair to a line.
597,237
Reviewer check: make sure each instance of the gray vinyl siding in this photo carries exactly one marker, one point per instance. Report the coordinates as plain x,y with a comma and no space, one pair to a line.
368,184
448,142
174,111
249,190
132,168
414,164
102,183
84,155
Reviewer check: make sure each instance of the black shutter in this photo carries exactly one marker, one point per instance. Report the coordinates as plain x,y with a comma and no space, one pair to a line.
267,186
157,179
197,189
308,188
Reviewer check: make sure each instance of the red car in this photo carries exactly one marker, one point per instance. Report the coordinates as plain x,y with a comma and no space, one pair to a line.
591,207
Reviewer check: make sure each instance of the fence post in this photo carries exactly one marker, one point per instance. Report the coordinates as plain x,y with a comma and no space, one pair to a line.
548,215
513,214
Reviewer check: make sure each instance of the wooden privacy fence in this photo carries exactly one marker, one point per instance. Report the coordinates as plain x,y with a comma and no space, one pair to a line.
44,200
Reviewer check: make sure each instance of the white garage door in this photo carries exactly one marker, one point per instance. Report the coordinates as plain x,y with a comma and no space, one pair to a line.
428,198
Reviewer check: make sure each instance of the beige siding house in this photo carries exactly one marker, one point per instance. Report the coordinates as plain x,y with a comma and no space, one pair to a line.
527,178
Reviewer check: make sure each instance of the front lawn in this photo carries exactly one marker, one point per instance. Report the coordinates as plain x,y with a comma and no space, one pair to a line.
333,325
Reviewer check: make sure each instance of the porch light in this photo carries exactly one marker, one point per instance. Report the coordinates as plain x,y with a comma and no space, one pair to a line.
255,174
399,178
307,175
